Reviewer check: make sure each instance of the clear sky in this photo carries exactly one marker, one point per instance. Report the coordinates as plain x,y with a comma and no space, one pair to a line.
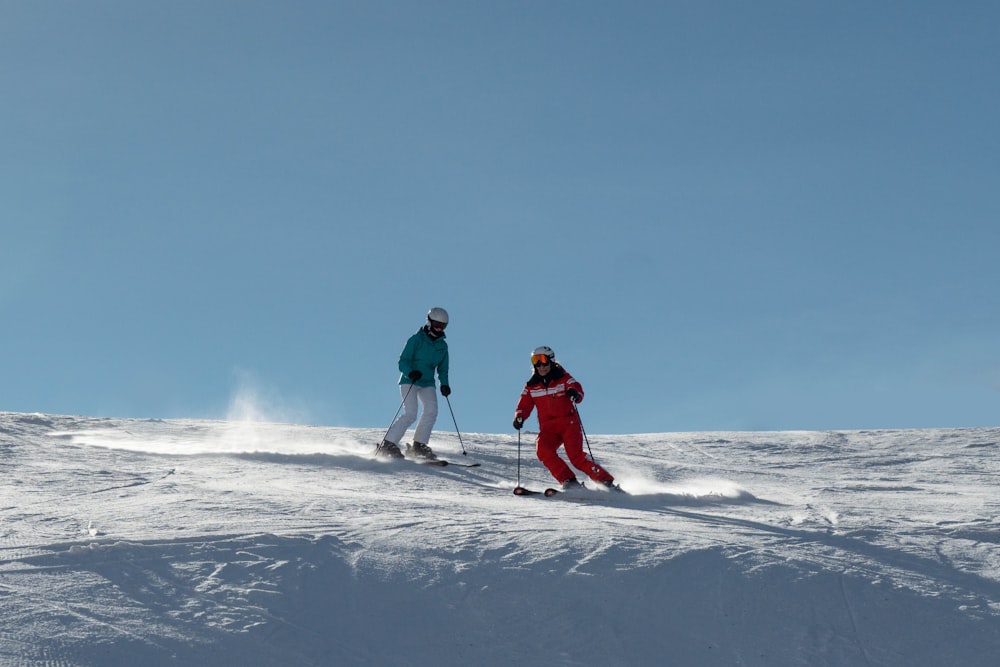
721,215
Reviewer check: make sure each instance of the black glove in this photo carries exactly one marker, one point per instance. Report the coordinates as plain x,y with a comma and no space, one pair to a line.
445,390
518,423
573,394
415,375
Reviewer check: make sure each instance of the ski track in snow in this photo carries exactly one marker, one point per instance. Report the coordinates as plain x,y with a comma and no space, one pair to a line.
216,543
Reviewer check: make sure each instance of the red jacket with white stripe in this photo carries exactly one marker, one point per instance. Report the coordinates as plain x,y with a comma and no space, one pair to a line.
548,395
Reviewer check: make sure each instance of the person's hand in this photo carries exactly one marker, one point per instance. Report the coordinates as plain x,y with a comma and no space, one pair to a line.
415,375
445,390
518,423
573,394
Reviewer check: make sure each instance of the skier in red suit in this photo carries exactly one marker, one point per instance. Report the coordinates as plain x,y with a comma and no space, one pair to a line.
554,392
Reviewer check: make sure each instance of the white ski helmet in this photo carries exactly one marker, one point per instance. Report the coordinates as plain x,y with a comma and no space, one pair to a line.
437,315
542,351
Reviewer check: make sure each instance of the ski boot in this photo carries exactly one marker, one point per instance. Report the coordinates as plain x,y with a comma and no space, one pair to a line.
419,450
571,484
388,450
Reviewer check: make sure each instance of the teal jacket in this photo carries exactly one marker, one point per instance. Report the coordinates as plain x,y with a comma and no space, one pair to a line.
425,354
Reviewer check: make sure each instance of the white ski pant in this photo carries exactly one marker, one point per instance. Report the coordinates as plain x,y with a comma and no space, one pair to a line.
427,397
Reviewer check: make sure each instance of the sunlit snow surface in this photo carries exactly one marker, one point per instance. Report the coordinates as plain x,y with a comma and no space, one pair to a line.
132,542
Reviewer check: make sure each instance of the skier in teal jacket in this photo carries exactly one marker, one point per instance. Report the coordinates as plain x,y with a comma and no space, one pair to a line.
425,353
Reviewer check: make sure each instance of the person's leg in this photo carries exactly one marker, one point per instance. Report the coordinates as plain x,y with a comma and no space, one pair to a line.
579,459
408,392
547,449
428,414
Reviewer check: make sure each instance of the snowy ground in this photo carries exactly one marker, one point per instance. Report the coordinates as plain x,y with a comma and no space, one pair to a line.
132,542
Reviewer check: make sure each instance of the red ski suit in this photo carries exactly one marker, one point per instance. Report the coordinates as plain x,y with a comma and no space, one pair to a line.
558,424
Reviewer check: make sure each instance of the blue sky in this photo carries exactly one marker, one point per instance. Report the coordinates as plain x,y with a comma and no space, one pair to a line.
721,215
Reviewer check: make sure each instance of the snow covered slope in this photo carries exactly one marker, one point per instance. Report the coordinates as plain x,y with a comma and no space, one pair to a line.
132,542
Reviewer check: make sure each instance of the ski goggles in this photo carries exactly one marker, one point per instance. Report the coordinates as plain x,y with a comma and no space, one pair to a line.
540,360
438,325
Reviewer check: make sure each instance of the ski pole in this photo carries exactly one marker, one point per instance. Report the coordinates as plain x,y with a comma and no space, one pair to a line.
464,453
401,404
518,458
585,438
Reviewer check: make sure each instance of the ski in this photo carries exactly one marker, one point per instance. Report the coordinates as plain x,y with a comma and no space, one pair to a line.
435,461
442,463
439,463
571,495
521,491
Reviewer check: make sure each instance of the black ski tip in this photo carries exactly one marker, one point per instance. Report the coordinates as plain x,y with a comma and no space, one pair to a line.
551,492
521,491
